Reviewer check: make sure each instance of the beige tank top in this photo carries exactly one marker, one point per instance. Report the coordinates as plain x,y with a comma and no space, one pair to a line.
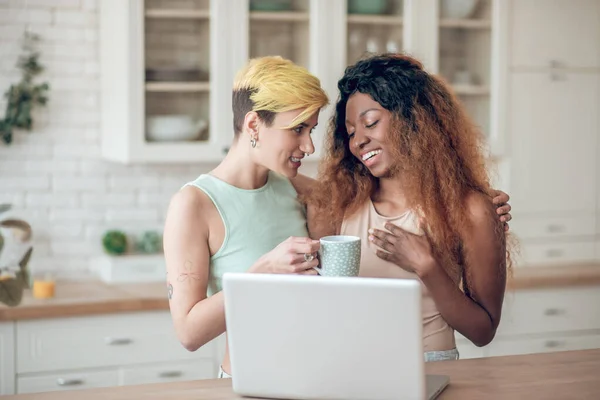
437,334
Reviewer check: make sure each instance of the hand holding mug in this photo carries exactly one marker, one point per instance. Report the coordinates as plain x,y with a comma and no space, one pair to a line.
339,255
296,255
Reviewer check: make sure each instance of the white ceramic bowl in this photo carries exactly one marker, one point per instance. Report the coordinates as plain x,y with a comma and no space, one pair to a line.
457,8
171,128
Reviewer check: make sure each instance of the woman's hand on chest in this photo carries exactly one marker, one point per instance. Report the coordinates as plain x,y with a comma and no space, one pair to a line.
409,251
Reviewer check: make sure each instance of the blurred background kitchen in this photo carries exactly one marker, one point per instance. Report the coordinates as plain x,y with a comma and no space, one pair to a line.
137,100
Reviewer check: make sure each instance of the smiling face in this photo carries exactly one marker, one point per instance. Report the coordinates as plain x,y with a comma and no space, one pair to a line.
282,150
368,124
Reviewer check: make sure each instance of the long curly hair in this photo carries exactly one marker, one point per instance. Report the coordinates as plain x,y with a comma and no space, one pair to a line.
438,150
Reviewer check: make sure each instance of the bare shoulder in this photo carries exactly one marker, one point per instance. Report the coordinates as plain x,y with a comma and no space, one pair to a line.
303,184
190,204
479,208
482,223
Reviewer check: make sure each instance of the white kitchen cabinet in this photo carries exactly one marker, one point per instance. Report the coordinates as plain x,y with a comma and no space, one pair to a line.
167,372
542,344
539,311
142,36
549,254
152,51
542,320
158,59
99,341
554,139
553,227
555,33
554,135
554,143
470,54
106,350
7,358
69,380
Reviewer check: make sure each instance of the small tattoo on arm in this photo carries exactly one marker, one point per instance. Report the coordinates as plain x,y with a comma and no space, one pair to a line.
169,290
188,273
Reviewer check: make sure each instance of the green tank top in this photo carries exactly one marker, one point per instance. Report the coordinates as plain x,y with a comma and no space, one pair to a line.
255,221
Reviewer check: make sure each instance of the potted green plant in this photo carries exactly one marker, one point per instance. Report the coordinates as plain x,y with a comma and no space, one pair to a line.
24,96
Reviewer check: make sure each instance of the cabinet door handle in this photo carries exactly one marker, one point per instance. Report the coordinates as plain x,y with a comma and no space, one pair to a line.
555,228
117,341
554,253
551,312
170,374
69,382
551,344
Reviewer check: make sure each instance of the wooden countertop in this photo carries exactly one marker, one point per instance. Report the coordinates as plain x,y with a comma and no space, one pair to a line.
541,277
562,375
81,298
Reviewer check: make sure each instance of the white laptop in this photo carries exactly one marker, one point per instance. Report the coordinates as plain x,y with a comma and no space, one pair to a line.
315,337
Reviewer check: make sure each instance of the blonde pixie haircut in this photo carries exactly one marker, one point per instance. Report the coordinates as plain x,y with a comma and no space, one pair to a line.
270,85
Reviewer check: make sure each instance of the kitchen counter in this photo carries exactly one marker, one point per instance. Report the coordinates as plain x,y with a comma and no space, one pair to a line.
82,298
562,375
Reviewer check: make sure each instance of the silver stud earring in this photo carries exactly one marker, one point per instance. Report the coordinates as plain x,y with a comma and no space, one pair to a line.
306,154
253,142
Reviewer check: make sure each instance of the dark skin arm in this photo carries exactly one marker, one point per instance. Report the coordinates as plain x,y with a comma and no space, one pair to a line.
475,314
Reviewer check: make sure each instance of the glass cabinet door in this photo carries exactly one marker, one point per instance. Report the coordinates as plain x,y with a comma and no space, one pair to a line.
280,27
374,26
177,70
465,54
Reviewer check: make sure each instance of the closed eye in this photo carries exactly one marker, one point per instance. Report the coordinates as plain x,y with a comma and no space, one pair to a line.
298,129
372,125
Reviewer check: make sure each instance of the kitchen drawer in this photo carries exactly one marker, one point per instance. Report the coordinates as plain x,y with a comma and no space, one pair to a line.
548,254
526,227
550,310
101,341
169,372
71,380
546,344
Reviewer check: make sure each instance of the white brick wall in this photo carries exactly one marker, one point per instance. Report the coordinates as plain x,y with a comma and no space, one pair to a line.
54,175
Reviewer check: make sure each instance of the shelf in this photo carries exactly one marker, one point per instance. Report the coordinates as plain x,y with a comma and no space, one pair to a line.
178,14
288,16
466,23
177,86
471,90
367,19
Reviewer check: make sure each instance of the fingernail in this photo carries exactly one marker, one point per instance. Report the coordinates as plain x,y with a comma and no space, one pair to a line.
371,230
371,238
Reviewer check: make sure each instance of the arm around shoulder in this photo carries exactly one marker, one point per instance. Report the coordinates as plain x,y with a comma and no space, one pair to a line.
317,227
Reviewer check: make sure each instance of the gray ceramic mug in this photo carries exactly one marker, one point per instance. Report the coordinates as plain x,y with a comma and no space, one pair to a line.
339,256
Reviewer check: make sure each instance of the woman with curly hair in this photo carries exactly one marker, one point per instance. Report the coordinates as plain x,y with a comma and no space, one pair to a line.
405,171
